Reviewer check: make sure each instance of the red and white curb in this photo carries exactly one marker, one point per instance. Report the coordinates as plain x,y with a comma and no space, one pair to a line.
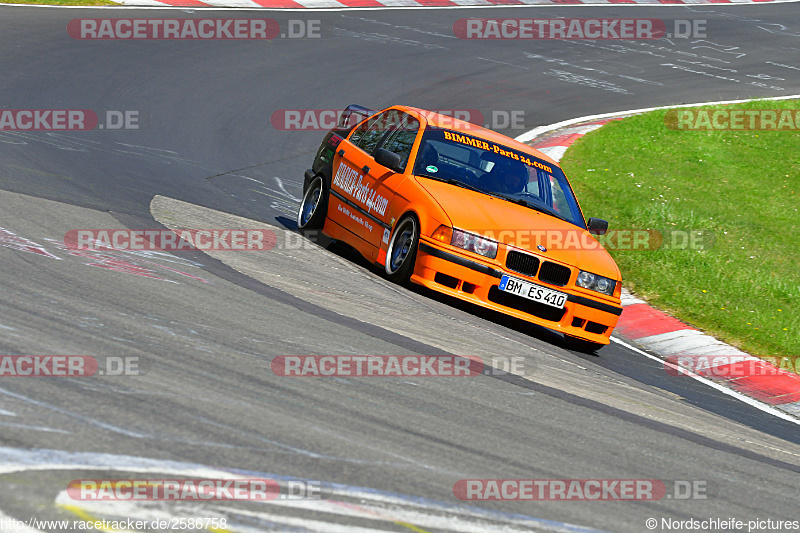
349,4
679,345
682,345
554,144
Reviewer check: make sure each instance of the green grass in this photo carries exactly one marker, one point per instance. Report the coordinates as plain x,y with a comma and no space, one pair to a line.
62,2
737,190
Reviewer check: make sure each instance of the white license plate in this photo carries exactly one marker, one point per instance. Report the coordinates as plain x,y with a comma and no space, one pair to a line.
532,291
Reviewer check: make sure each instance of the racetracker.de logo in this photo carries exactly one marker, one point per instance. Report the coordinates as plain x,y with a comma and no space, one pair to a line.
171,240
203,29
720,366
67,120
733,119
376,366
173,489
614,239
71,366
327,119
562,29
569,239
559,489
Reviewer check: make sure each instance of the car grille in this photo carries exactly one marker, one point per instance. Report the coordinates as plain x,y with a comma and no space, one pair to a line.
554,274
522,263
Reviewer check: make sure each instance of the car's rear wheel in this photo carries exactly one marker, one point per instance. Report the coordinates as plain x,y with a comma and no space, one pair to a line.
313,207
402,252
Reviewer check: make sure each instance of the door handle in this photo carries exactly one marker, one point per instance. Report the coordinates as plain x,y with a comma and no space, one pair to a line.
365,168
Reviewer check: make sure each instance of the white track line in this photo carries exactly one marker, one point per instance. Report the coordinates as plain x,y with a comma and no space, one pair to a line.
536,132
725,390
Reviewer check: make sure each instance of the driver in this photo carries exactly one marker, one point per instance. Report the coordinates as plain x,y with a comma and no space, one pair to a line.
428,157
507,176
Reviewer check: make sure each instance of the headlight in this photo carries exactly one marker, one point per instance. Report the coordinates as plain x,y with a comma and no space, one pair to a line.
474,243
593,282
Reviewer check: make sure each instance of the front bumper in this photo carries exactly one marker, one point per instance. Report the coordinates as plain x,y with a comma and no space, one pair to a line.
473,281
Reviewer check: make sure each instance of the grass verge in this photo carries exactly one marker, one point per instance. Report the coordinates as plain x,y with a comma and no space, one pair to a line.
736,191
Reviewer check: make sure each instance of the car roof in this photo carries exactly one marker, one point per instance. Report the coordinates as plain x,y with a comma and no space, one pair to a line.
467,128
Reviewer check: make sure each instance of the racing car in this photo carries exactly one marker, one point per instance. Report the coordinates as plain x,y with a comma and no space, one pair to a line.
467,212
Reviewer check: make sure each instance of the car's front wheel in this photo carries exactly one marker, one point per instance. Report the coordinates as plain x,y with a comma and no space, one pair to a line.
402,252
313,207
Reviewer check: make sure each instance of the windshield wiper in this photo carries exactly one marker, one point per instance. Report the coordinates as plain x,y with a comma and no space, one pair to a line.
534,206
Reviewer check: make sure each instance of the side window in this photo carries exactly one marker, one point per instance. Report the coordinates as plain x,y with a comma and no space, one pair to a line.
532,186
367,135
358,132
401,139
559,197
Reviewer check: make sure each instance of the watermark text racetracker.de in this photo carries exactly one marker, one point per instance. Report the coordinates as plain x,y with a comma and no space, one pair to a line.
727,367
71,366
578,28
704,119
122,524
398,366
327,119
579,489
67,120
196,490
193,29
644,239
171,240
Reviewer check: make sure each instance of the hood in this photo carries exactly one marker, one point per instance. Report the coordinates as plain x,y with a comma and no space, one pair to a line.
522,227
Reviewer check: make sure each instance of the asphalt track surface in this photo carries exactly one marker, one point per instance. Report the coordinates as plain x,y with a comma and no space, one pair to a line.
205,327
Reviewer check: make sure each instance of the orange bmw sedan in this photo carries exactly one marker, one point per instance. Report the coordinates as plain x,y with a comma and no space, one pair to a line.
467,212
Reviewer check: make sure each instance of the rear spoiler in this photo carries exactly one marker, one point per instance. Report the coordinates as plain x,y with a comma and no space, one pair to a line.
352,115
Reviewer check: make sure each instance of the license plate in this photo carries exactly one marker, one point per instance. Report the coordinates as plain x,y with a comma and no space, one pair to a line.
532,291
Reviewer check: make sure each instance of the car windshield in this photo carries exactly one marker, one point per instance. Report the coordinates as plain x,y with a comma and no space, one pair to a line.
497,170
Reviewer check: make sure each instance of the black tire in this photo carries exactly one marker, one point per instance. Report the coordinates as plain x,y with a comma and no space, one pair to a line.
402,252
314,206
580,345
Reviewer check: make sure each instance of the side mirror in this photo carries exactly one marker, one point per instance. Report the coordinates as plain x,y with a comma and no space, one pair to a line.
390,160
597,226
